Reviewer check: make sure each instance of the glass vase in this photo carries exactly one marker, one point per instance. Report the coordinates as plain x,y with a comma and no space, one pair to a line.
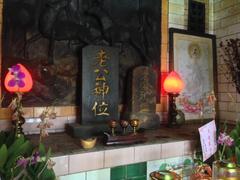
225,171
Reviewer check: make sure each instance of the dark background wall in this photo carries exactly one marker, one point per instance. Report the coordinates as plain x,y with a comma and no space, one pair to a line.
47,36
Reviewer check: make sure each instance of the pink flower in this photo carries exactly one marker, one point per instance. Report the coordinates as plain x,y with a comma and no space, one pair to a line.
224,139
229,141
221,138
22,162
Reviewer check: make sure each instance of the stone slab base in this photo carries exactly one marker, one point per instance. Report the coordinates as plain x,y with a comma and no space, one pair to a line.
85,131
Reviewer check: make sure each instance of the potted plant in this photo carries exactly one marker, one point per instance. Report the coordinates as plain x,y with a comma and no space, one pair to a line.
20,160
227,164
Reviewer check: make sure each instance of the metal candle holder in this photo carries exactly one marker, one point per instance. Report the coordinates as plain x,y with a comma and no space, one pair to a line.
134,123
113,124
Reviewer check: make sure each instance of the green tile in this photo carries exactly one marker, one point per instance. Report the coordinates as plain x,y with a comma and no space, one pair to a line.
118,173
135,170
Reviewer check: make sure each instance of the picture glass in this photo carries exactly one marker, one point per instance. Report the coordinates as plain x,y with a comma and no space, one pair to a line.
193,60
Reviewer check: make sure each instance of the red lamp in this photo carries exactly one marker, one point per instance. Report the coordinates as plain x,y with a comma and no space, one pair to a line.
18,80
173,85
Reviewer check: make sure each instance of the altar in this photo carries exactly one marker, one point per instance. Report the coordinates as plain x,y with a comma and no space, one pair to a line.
103,160
133,80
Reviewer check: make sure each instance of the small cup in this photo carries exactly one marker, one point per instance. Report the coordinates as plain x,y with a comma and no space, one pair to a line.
134,123
112,124
124,124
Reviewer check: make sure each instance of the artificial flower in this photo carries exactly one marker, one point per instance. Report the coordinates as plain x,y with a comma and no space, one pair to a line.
18,77
50,164
224,139
45,124
35,158
22,162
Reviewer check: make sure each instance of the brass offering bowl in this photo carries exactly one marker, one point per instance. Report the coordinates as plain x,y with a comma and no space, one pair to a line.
134,123
88,143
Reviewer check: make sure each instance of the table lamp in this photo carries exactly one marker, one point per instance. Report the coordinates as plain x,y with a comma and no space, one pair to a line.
18,80
173,85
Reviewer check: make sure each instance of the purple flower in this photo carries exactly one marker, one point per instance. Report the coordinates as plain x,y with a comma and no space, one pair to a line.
221,138
22,162
35,157
18,76
229,141
15,68
224,139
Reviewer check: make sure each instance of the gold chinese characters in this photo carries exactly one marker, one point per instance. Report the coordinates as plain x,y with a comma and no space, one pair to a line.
101,89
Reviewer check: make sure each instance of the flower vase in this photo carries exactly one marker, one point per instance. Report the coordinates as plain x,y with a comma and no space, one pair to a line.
225,171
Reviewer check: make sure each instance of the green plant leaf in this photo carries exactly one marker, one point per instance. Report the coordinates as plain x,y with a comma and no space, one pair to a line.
229,152
39,167
237,142
17,170
2,171
3,155
42,150
10,138
237,152
24,150
2,138
17,143
48,153
238,127
31,172
47,174
234,134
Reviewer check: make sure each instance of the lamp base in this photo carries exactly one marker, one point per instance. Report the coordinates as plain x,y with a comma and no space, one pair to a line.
17,125
172,111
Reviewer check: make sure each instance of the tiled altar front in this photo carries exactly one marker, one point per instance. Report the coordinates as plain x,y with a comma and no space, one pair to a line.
71,159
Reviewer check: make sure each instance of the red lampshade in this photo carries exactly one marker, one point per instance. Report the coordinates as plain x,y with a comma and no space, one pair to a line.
18,79
173,83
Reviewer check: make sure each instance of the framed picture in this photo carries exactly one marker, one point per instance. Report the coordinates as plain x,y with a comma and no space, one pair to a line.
193,56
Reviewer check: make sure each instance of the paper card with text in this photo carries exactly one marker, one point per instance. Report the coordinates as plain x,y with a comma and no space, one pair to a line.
208,139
